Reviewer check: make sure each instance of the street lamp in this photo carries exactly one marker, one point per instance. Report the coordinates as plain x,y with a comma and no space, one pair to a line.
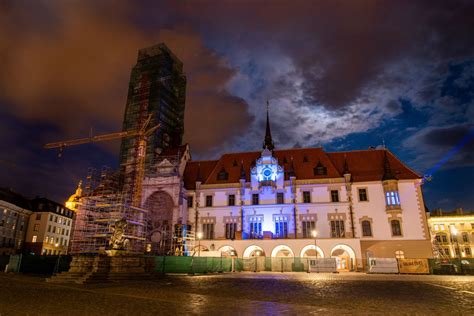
199,236
314,233
454,232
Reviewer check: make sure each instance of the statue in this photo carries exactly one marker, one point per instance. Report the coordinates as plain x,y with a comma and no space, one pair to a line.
118,241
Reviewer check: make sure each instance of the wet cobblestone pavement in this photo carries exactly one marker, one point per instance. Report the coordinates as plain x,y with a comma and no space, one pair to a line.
244,294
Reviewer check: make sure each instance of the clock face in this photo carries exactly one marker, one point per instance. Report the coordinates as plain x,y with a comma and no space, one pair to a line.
268,174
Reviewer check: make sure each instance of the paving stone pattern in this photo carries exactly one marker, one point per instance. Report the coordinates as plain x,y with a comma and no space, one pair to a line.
244,294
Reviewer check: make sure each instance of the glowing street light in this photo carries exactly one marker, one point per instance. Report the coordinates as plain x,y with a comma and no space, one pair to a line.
199,236
454,232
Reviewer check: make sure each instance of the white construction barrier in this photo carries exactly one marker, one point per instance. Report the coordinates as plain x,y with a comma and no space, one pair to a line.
322,265
383,265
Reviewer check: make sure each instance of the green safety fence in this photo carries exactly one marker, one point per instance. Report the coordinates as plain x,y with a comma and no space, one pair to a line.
39,264
191,265
452,266
4,259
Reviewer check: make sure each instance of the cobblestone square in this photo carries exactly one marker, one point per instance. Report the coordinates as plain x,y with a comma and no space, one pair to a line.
244,293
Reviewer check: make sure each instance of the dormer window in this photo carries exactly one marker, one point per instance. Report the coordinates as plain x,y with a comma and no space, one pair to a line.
320,170
223,175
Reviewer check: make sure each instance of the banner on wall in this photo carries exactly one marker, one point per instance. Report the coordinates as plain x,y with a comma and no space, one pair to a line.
414,266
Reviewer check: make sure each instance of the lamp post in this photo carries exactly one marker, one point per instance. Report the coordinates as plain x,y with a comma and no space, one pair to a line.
314,233
454,232
199,236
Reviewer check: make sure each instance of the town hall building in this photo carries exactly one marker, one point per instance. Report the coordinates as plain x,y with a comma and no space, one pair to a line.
302,202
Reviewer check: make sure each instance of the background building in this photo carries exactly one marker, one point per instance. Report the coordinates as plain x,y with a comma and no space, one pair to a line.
14,216
49,228
158,87
452,233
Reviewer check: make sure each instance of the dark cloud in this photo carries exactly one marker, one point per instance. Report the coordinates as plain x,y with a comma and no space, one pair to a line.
73,70
435,144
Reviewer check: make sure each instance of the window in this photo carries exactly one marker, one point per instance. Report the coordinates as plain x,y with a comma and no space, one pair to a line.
208,200
231,199
50,218
436,227
230,229
56,219
190,201
308,227
36,227
467,250
334,195
38,216
465,237
441,226
281,227
337,228
255,199
280,198
320,170
208,230
399,254
363,195
446,252
222,175
366,229
453,239
34,238
255,227
396,229
457,251
306,197
392,198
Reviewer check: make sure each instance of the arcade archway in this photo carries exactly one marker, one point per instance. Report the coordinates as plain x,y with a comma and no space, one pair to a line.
159,220
254,251
345,257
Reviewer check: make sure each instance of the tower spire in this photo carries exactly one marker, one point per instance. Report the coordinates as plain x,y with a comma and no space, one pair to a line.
268,142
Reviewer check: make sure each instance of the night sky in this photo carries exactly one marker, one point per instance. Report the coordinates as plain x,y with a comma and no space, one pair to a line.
344,75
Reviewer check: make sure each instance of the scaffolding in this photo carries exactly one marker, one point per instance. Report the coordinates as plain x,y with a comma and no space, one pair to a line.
104,204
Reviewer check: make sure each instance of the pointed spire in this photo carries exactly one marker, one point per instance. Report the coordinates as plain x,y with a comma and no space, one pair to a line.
346,166
387,170
268,142
242,171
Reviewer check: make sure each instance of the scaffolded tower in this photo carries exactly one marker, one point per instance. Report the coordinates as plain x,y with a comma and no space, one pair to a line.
157,86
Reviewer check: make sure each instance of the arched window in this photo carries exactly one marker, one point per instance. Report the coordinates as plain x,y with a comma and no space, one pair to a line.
396,229
399,254
366,229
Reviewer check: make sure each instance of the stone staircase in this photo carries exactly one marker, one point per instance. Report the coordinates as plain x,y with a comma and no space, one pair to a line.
101,269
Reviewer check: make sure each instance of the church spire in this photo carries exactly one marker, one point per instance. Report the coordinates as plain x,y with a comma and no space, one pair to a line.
268,142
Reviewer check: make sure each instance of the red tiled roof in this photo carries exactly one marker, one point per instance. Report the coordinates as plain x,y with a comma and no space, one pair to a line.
364,165
367,165
191,172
